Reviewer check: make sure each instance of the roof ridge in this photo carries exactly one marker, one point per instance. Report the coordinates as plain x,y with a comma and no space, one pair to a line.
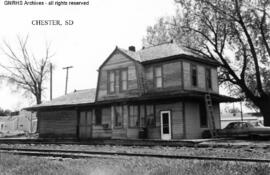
166,42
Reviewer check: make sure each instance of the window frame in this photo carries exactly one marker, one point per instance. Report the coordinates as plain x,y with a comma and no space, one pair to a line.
155,77
192,74
109,81
121,79
208,78
121,107
203,113
96,116
147,118
137,125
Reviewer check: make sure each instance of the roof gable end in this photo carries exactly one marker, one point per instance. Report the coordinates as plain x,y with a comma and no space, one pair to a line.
120,51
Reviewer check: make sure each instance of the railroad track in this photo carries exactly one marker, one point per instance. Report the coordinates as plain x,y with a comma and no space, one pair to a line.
90,154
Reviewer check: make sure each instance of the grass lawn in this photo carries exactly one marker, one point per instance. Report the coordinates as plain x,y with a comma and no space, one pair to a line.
23,165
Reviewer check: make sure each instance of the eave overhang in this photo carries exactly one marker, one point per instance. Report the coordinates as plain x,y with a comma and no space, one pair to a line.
183,57
154,97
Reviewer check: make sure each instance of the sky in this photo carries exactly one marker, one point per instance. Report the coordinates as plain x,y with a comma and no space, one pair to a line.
98,28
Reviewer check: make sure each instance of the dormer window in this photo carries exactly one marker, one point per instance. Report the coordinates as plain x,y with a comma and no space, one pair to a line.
158,77
123,79
111,81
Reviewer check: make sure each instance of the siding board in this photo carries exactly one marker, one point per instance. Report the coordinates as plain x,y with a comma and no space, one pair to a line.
177,125
192,118
58,123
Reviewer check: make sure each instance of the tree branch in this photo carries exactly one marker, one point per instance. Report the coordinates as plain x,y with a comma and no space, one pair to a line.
252,49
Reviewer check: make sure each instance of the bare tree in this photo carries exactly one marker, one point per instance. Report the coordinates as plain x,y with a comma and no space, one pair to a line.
24,70
237,34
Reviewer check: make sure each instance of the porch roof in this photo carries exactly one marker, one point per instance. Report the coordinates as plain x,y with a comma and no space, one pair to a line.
174,95
87,98
78,97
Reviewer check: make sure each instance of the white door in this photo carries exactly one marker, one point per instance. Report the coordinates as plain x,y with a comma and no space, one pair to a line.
165,124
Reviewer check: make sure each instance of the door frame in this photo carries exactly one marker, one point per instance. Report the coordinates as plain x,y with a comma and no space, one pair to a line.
169,135
87,126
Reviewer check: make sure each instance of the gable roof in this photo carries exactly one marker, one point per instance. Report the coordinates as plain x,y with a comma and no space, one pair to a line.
131,56
165,50
78,97
160,52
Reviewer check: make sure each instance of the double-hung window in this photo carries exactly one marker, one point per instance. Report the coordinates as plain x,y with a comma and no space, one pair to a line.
203,115
118,116
208,78
150,115
123,80
111,81
158,76
194,78
98,116
133,116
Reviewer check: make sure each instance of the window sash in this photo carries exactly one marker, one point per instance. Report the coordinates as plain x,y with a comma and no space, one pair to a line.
150,115
111,82
118,116
208,79
133,116
203,115
158,72
98,117
124,80
194,77
158,77
124,85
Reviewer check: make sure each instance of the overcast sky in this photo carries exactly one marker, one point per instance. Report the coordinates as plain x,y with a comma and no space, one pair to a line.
97,30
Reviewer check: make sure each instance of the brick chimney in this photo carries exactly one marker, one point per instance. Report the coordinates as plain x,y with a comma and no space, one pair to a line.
132,48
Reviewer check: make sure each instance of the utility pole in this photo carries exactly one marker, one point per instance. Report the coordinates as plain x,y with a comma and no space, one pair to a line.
51,81
242,118
67,68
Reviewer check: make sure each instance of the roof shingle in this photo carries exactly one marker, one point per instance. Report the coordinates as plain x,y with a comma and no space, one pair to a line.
162,51
77,97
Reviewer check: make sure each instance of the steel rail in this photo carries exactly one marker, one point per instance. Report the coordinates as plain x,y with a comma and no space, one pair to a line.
89,154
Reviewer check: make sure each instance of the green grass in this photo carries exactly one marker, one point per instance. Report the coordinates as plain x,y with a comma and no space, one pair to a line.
23,165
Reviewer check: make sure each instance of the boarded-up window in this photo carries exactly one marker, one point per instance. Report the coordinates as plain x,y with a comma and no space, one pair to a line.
203,115
111,81
133,116
150,115
158,77
194,75
118,116
123,79
98,116
208,78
